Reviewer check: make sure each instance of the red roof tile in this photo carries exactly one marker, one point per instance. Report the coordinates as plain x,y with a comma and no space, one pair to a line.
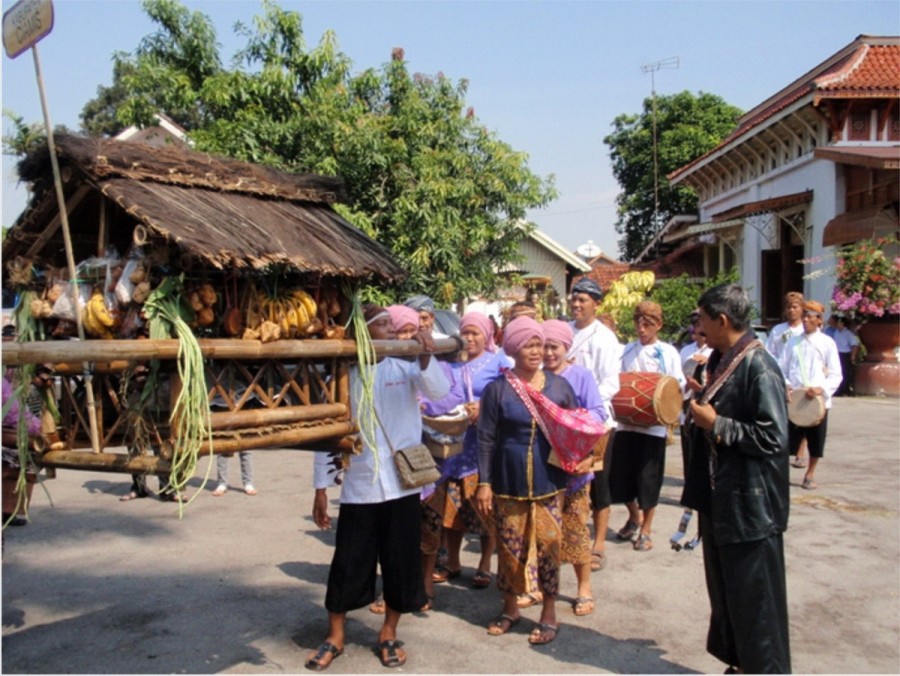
871,70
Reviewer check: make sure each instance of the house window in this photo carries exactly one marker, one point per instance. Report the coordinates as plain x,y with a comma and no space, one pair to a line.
859,126
893,129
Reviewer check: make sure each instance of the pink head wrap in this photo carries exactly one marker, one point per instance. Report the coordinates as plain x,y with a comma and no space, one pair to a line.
402,315
518,332
558,331
482,322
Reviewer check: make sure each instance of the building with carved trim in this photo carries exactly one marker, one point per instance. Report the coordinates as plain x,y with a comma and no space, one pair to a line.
814,166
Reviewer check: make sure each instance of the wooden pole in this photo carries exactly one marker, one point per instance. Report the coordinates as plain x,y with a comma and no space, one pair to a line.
259,417
62,351
70,256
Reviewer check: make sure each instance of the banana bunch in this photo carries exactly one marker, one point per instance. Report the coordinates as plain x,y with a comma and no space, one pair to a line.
294,312
98,321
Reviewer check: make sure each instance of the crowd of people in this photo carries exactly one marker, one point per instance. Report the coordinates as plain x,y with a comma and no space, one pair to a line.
506,486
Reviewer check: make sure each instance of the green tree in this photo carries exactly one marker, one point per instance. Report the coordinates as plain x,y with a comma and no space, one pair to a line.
687,126
678,298
423,175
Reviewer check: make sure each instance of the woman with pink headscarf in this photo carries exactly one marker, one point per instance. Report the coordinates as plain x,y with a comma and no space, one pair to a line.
455,492
518,485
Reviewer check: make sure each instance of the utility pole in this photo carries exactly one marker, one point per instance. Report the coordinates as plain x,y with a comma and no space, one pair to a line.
671,62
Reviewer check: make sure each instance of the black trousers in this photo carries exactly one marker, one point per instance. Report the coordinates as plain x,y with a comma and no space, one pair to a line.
387,533
748,625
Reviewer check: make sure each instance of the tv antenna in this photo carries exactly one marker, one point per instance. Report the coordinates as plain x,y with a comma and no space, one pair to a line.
671,62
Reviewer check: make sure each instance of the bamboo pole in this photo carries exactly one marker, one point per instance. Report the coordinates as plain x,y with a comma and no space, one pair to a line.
258,417
151,464
70,256
62,351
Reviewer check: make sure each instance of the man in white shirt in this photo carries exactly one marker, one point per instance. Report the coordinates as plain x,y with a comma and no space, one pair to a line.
778,338
380,521
848,348
812,368
639,453
596,348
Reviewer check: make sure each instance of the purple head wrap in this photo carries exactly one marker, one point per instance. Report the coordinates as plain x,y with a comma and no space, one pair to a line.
558,331
482,322
518,332
402,315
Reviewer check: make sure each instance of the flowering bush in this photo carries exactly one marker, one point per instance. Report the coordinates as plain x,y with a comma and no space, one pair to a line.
868,280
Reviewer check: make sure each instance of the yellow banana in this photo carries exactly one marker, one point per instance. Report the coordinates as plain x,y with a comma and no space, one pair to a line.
308,303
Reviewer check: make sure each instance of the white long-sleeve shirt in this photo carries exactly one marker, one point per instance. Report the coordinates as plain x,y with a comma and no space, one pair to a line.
812,360
397,382
657,357
779,336
596,348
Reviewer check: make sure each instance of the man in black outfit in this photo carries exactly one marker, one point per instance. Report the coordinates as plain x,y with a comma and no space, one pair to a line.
738,481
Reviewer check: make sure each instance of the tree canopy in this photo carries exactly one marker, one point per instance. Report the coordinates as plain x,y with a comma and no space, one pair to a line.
423,175
687,126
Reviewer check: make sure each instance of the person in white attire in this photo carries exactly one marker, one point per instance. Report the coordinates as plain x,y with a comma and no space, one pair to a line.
380,521
595,347
812,368
639,453
778,338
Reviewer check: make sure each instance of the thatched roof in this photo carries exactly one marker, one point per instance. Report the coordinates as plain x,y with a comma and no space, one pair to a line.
227,213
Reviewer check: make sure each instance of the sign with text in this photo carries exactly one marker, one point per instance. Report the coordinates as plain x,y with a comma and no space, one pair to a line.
25,23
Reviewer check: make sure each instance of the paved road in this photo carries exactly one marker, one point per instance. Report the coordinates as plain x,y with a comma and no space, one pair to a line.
95,585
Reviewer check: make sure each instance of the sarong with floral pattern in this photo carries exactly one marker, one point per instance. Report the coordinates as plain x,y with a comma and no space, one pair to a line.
576,542
529,539
455,500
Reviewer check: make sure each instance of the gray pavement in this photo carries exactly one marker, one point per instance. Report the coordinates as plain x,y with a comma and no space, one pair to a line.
95,585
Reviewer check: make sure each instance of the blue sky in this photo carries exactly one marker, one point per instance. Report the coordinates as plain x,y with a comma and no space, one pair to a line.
547,76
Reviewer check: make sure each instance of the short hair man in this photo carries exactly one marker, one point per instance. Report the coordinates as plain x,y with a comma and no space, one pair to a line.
596,347
738,482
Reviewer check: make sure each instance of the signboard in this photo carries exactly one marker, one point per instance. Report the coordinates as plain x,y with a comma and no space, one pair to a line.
25,23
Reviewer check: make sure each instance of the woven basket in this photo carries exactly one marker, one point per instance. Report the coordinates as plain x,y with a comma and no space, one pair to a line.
453,426
441,450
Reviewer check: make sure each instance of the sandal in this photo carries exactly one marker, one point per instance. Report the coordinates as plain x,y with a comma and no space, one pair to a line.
443,574
249,489
643,543
482,580
379,607
394,658
429,604
799,463
529,599
314,662
583,605
628,531
543,634
598,561
809,484
496,628
220,490
132,495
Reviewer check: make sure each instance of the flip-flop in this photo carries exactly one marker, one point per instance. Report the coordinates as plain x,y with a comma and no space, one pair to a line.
628,531
394,659
583,605
598,561
497,624
482,580
643,543
132,495
314,663
443,574
379,607
809,484
539,633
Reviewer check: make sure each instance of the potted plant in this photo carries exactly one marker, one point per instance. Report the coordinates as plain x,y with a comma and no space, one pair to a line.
867,289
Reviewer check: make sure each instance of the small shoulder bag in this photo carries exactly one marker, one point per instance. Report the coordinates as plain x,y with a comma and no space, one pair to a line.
415,465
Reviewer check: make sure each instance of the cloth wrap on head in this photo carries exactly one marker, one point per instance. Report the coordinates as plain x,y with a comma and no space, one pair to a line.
588,286
814,307
402,315
518,332
558,331
419,303
647,309
373,312
482,322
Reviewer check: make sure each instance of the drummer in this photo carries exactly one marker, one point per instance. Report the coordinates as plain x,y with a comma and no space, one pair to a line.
812,368
639,453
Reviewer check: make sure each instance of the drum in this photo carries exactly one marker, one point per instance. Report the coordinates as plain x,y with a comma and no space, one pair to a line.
647,399
804,411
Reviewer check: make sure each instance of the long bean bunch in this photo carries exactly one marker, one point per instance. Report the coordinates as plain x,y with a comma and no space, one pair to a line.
366,360
190,416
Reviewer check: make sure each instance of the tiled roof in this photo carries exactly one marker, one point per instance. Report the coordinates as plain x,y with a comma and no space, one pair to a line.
868,67
607,273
